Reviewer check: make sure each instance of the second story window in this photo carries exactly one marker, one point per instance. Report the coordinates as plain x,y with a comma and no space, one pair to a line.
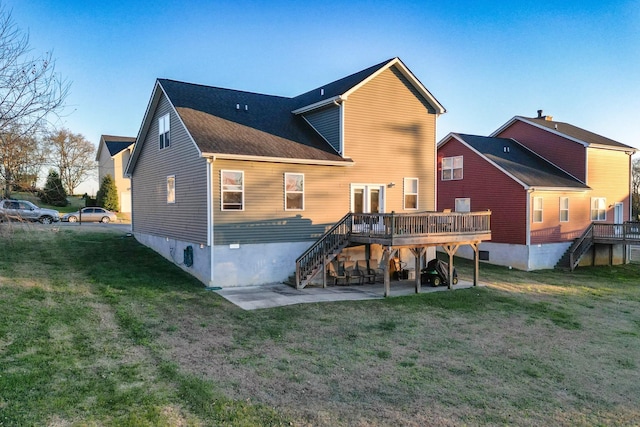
232,190
451,168
164,131
411,193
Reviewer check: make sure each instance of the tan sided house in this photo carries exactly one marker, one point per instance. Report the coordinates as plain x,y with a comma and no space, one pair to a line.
241,188
112,157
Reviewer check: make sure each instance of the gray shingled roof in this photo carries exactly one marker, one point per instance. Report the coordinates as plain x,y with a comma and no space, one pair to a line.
116,144
227,121
526,166
577,133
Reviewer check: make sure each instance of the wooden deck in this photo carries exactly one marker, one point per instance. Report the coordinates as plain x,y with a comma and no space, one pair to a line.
421,229
394,231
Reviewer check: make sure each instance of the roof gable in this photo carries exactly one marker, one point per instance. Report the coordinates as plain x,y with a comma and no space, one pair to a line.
114,144
340,90
517,161
568,131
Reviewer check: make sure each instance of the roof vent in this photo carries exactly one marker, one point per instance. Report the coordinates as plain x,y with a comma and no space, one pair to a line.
237,106
505,149
246,107
322,92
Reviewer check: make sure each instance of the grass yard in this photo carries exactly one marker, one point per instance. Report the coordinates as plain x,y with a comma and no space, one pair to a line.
97,330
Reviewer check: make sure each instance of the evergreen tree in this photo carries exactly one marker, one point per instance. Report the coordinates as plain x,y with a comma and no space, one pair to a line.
107,196
53,193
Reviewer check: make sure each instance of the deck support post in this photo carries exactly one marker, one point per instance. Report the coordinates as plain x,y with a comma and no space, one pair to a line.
386,257
476,262
324,271
451,250
418,253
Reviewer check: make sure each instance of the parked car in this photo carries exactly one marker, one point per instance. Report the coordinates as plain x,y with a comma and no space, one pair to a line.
90,215
24,210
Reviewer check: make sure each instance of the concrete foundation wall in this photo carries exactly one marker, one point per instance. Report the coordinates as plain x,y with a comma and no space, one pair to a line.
522,257
256,264
173,250
605,255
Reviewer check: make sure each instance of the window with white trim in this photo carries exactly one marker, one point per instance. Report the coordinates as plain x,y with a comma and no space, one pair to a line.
164,128
451,168
598,209
411,193
232,190
564,209
171,189
537,209
463,204
294,191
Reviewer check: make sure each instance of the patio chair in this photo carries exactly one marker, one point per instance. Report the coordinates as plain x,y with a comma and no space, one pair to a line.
353,273
367,273
337,272
374,270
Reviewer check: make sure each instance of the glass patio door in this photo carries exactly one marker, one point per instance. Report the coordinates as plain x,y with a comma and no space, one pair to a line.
367,198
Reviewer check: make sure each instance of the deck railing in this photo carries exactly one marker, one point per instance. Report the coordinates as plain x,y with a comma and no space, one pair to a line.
391,225
629,231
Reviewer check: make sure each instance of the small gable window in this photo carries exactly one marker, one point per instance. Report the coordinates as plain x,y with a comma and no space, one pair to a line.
164,127
171,189
537,209
451,168
411,193
232,190
564,209
293,191
598,209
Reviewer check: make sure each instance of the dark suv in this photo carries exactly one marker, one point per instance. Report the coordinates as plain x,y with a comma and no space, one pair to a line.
23,210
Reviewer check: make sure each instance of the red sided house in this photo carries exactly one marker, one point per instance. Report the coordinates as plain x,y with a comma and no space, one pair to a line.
545,183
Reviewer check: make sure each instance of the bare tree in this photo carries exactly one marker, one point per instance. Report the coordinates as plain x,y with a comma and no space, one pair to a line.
30,92
21,157
73,155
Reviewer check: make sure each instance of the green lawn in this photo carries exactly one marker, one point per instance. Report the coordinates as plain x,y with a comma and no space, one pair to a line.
97,330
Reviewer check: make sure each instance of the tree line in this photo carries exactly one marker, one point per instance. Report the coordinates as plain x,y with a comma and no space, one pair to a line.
32,96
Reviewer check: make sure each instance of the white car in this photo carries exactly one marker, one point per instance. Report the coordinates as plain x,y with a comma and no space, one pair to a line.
24,210
90,215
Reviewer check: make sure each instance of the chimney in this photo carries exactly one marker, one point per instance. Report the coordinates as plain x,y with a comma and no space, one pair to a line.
547,118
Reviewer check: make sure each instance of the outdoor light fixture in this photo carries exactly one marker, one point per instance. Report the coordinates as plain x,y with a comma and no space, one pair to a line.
391,184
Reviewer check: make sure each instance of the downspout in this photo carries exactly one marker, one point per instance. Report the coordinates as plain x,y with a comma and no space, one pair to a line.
528,228
341,105
210,161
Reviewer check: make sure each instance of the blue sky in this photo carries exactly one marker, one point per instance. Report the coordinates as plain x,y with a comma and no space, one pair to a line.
485,61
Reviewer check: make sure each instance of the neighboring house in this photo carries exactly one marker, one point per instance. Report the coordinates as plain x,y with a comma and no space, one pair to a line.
545,183
233,186
112,157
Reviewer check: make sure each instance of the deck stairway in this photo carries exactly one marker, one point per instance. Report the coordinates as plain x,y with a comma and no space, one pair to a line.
609,234
391,230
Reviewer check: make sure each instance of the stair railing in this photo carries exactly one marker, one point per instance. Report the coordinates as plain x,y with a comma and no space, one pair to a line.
313,260
580,247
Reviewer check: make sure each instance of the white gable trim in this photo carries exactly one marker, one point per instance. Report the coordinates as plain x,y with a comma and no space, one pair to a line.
222,156
156,95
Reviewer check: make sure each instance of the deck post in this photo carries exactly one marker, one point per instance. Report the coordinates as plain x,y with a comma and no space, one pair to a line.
324,271
418,253
385,259
476,262
451,250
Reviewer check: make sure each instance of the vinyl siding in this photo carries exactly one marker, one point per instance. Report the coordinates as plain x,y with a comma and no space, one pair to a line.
186,219
264,218
327,122
389,134
551,230
566,154
489,189
609,176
